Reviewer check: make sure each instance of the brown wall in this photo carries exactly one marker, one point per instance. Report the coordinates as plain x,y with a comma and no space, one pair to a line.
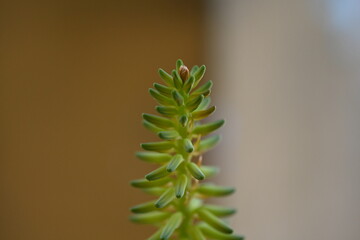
73,82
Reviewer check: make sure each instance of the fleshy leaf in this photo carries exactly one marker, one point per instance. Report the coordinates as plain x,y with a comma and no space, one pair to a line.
166,77
188,146
214,234
167,111
151,217
204,89
175,163
157,146
164,90
189,84
151,127
214,190
194,69
172,224
177,97
168,135
198,115
220,211
157,173
194,102
195,171
199,75
144,207
165,198
180,186
156,235
177,80
214,221
209,171
154,157
207,128
158,121
204,104
163,100
144,183
179,62
208,143
156,191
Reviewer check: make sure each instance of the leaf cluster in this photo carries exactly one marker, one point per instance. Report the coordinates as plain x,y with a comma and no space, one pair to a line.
180,211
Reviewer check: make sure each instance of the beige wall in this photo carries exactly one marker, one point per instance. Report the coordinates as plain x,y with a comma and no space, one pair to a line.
74,79
288,75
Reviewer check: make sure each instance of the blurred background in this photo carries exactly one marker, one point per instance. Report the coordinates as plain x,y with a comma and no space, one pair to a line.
74,77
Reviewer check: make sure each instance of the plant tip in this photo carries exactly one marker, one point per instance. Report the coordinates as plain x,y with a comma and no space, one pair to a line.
184,73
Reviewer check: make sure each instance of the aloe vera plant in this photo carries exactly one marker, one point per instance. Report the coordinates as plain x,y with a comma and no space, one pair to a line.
180,211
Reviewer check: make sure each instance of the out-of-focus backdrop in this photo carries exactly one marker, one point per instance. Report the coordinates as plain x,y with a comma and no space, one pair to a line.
73,84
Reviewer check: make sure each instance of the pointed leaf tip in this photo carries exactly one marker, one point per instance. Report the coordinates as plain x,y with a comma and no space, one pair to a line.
167,78
196,171
180,186
173,223
214,221
175,163
207,128
165,198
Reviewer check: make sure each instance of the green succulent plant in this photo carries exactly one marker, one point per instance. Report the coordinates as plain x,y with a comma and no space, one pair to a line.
180,212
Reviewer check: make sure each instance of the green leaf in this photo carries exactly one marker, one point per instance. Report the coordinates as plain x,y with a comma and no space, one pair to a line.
144,183
188,146
215,191
209,171
165,198
179,62
207,128
180,186
154,157
168,135
156,191
163,100
166,91
198,115
166,77
214,221
177,80
177,97
204,89
151,217
195,233
194,102
157,146
183,120
157,173
214,234
208,143
194,69
151,127
199,75
175,163
189,84
158,121
204,104
220,211
167,111
144,207
195,171
156,235
173,223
